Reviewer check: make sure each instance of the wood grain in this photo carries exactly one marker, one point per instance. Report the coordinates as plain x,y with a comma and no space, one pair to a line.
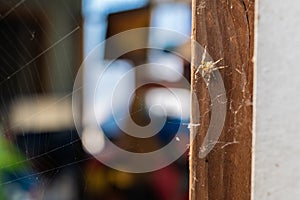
226,27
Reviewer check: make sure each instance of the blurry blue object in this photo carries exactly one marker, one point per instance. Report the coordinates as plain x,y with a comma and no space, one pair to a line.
26,179
170,129
111,128
165,135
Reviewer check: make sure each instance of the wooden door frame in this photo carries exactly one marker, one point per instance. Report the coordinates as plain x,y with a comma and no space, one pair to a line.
226,28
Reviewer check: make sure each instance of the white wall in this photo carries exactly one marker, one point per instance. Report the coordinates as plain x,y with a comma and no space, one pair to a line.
277,152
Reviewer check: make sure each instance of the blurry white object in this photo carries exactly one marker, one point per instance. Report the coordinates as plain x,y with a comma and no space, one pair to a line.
179,20
175,102
93,139
101,80
103,95
41,114
171,67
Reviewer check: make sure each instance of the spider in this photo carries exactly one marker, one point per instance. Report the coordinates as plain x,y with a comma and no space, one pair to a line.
207,68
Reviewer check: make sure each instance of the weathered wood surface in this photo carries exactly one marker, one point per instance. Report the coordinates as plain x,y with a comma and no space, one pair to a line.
226,27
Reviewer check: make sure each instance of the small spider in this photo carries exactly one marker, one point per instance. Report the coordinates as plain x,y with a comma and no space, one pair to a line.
207,68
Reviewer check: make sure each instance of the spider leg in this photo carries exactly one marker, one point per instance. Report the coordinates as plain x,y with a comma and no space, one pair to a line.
221,67
217,61
215,69
197,70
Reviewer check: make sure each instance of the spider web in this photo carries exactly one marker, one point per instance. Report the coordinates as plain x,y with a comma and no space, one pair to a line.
38,59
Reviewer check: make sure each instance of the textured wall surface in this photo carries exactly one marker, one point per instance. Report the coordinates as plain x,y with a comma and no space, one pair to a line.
277,163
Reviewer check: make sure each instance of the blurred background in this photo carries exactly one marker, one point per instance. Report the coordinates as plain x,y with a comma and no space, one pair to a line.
43,45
